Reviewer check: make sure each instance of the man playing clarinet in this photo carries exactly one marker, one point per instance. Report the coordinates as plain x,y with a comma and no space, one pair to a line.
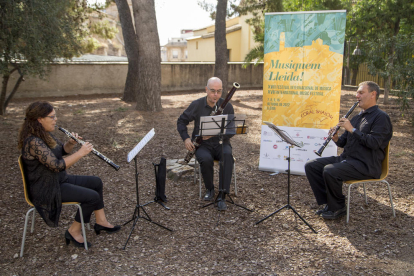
364,141
210,148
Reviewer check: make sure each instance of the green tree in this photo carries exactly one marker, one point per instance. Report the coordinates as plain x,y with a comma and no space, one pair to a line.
33,34
376,21
402,68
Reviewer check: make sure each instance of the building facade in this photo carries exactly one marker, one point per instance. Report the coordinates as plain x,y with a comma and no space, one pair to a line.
240,40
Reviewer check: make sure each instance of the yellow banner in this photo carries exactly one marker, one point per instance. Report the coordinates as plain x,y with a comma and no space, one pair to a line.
302,84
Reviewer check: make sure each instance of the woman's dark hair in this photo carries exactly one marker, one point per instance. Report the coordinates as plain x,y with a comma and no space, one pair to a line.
31,125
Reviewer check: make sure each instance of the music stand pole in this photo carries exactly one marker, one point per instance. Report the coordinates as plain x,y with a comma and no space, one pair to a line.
287,206
137,215
221,163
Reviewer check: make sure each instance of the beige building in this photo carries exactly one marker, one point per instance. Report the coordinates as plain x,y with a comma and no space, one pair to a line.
176,48
239,37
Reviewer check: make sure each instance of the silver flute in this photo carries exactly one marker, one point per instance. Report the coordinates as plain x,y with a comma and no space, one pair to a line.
94,151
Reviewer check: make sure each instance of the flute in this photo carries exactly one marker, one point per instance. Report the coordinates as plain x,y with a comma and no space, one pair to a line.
319,152
94,151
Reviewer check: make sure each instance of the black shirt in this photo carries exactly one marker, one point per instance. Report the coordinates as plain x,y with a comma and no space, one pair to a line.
194,111
365,147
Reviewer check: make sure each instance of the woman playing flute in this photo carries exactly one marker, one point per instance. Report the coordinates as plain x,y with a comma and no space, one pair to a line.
45,161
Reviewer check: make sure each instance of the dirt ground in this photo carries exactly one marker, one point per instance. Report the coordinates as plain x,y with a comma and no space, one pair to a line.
203,242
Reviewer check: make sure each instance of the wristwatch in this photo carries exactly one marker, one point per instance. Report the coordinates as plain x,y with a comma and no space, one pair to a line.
353,130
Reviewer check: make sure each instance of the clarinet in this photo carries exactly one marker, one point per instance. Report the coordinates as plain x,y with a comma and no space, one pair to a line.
197,141
94,151
319,152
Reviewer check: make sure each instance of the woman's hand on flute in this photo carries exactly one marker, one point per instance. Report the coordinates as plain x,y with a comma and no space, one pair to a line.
85,149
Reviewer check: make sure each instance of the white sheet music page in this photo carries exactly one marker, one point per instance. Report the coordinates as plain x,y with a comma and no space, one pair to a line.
140,145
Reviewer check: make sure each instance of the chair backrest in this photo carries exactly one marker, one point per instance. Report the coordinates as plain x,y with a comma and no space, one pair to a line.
26,192
385,162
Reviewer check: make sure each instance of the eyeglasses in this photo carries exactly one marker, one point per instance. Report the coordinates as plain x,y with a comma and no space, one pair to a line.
53,117
215,91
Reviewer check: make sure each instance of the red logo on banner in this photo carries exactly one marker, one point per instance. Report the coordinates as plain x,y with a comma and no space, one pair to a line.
275,146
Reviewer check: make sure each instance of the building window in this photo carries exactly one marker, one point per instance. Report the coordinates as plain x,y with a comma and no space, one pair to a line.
175,54
196,45
186,54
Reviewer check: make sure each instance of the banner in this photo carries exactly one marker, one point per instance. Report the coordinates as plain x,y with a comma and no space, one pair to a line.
301,84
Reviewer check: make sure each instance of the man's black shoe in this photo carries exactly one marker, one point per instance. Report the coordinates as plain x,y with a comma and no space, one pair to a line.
209,195
321,211
334,214
221,205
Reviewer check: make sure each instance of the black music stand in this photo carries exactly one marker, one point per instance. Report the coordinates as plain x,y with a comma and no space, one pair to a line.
133,155
216,127
287,139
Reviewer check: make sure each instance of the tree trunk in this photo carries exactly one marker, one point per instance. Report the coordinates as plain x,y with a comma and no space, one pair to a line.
387,89
131,49
390,68
220,69
16,86
3,94
354,76
149,59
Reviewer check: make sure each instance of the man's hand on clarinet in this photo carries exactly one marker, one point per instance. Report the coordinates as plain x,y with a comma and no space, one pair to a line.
335,137
346,124
189,145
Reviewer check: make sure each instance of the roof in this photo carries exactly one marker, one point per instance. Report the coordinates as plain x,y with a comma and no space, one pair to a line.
228,30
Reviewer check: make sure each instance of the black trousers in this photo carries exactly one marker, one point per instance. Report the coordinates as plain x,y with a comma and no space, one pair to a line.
88,190
206,154
326,176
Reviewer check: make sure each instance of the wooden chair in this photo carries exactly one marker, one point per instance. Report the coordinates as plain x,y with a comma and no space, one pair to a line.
197,175
384,173
33,209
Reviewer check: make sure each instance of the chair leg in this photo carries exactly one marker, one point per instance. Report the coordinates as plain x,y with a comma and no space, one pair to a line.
83,226
235,180
389,192
33,222
199,179
25,230
365,194
349,201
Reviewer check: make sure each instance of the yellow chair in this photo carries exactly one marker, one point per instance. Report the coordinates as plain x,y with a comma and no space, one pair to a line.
197,174
384,173
33,209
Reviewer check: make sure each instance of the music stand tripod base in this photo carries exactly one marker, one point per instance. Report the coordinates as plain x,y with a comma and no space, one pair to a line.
292,143
137,215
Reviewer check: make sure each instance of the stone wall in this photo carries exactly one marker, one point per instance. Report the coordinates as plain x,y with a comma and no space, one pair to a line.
67,79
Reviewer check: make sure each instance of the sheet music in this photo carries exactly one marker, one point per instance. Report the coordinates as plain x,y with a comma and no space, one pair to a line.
282,135
140,145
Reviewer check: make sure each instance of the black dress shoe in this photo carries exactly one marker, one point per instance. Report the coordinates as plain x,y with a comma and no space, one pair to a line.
334,214
98,228
321,211
209,195
69,238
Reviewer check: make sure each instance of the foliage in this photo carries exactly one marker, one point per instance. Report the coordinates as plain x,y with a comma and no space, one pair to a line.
211,8
34,33
402,69
103,29
380,23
